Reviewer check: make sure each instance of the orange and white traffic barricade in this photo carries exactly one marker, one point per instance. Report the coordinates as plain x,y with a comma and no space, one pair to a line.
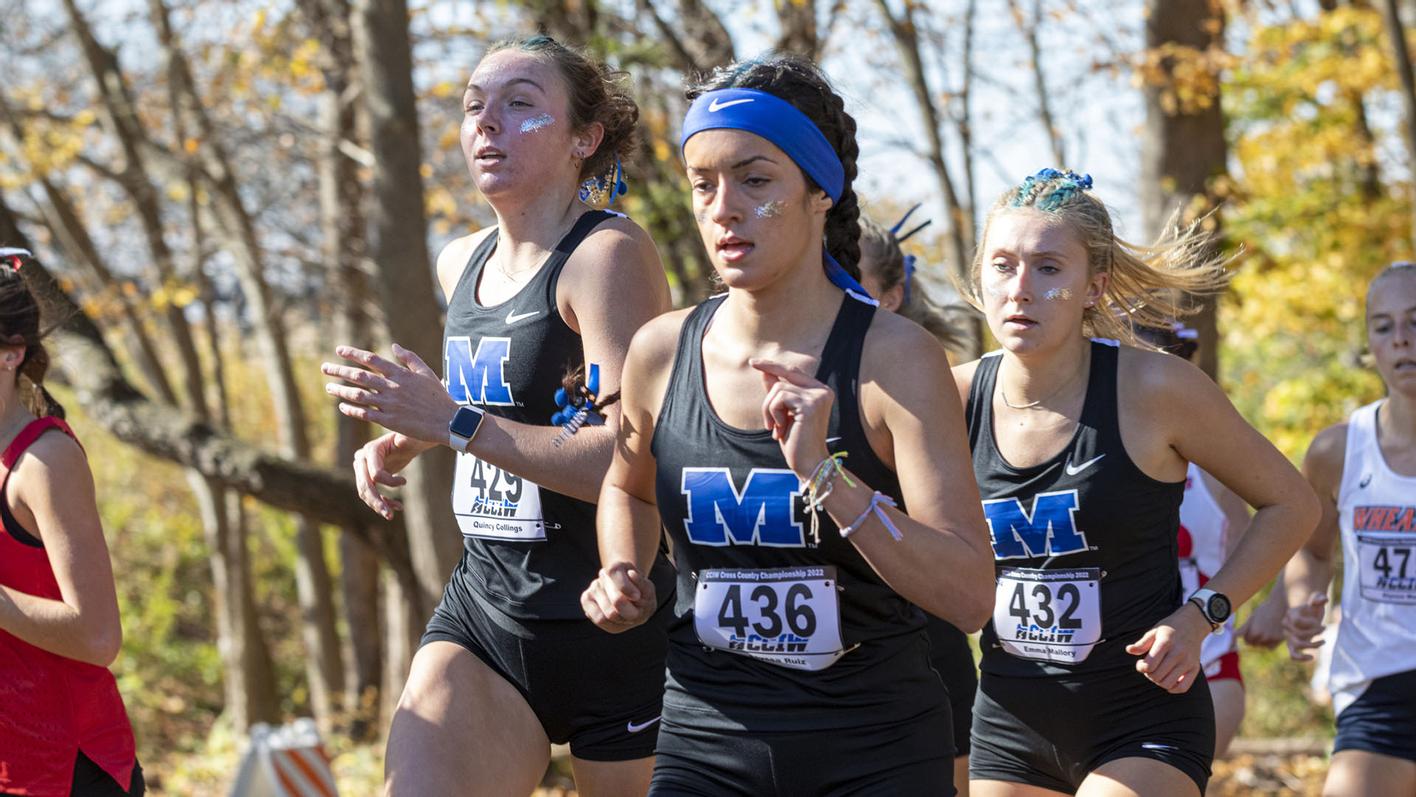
288,761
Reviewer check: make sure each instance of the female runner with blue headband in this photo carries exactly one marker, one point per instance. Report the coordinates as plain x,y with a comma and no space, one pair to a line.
773,434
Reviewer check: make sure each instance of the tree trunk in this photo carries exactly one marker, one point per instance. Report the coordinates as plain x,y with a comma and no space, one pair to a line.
403,625
342,248
1183,149
959,227
1028,25
323,668
398,252
798,34
1401,59
249,674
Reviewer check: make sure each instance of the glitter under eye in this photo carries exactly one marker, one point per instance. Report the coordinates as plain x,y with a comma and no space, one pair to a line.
537,122
769,210
1058,295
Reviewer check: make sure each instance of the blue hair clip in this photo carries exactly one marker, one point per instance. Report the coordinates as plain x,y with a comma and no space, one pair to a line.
1068,184
899,239
577,410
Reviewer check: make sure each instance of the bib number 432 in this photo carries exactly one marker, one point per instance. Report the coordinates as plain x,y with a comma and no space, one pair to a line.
1048,615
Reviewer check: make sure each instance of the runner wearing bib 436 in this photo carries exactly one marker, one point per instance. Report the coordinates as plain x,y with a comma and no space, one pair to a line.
1091,658
1365,472
797,663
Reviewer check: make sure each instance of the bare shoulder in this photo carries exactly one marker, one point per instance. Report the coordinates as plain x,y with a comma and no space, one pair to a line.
53,463
453,258
617,248
1327,452
964,376
656,343
1155,375
902,357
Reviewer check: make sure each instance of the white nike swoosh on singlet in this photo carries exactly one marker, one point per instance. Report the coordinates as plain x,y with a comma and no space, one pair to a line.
636,728
513,316
718,105
1073,471
831,440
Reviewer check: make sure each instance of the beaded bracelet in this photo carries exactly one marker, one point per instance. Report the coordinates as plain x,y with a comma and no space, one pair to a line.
877,501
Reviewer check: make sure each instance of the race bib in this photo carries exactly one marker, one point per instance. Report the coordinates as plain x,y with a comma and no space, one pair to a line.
1048,615
495,504
790,617
1388,570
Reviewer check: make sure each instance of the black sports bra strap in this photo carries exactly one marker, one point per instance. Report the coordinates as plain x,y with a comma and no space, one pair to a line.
842,355
1102,408
979,412
588,221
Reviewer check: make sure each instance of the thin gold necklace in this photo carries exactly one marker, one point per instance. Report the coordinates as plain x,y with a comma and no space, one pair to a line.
1032,405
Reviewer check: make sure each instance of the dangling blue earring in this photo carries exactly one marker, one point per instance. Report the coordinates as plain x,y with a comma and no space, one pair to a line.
600,192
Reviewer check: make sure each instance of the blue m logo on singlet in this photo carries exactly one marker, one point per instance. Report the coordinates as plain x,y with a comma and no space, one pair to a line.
762,514
480,377
1049,530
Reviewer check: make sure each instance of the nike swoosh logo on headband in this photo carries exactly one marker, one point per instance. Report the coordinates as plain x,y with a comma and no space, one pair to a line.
718,105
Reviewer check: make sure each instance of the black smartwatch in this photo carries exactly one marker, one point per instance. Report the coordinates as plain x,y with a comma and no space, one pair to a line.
463,427
1214,606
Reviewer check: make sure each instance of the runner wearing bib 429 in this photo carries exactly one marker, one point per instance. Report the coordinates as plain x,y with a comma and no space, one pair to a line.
513,600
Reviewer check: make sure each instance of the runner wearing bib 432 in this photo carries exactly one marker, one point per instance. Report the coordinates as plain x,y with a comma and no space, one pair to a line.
1091,675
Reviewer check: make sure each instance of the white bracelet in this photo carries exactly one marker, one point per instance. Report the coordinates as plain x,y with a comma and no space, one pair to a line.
877,501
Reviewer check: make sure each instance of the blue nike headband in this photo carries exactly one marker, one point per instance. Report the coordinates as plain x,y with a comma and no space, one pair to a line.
778,121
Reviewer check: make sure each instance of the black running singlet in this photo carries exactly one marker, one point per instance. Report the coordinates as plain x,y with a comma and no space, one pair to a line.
773,630
1084,544
531,550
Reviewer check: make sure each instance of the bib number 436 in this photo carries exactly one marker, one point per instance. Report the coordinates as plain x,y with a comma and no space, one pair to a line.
773,615
790,617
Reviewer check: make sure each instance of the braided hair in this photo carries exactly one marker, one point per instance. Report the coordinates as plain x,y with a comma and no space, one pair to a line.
20,326
801,83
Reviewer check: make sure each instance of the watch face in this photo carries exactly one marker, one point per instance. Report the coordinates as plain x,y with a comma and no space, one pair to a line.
465,422
1219,607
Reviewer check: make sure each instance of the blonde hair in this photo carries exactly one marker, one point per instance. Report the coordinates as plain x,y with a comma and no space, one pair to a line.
1145,285
879,247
